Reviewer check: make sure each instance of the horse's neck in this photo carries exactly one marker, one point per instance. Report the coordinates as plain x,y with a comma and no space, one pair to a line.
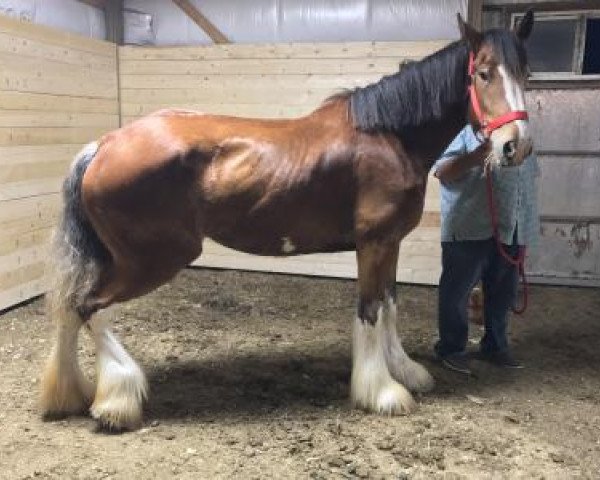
429,141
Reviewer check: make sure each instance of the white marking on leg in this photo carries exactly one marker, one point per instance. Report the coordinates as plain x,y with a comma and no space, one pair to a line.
411,374
122,386
65,390
288,246
373,388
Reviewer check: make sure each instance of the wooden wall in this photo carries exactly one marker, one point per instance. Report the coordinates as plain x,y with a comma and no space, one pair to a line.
276,81
58,91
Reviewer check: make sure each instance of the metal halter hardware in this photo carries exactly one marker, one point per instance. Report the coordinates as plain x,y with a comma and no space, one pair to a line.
487,127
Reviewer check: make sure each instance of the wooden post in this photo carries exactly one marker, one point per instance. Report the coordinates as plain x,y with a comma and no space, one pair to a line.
475,13
113,12
204,23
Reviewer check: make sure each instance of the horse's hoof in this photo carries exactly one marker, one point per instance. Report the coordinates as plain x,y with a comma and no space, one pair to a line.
53,416
117,417
108,428
386,398
64,395
415,377
395,400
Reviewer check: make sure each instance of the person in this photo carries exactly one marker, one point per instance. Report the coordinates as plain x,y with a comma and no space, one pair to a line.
470,253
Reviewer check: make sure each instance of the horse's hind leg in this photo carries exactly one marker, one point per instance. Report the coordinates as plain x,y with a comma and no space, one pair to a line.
121,384
373,386
64,389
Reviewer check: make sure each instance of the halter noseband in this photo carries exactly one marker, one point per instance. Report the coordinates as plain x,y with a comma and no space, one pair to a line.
487,127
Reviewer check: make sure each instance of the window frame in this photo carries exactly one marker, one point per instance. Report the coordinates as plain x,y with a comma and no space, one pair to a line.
575,74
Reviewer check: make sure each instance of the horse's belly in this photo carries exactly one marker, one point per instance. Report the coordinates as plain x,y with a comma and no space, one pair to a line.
284,233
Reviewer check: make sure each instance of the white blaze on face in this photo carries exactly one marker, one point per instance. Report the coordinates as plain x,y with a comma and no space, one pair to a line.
515,97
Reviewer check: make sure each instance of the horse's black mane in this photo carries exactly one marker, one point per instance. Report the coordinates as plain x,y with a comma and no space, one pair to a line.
424,91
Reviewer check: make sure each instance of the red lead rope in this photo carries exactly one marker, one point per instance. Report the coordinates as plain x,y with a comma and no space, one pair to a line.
487,127
519,260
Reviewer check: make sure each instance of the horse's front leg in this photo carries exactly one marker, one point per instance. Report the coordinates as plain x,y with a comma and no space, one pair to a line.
373,384
411,374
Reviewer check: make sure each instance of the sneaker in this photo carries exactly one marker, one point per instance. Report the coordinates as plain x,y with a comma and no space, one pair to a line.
500,359
457,362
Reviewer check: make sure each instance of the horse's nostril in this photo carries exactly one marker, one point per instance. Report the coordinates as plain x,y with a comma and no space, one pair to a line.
509,149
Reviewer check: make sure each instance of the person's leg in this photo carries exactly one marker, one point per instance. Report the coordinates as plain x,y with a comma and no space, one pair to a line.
462,264
500,281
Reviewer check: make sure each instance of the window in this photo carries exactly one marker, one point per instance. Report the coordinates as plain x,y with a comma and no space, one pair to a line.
564,43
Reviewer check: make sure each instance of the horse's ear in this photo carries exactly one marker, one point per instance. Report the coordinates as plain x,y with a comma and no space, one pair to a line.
523,29
469,33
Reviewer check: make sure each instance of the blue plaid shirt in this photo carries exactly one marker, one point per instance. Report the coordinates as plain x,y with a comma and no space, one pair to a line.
465,214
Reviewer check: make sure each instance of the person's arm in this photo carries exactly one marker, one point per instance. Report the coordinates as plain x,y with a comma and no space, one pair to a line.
457,166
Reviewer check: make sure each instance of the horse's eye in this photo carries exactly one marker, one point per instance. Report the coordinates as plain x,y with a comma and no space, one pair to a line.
484,75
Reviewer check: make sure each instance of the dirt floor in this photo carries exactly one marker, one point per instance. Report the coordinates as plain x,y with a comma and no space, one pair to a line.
249,379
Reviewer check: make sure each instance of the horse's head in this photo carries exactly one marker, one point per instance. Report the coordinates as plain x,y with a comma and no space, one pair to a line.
498,71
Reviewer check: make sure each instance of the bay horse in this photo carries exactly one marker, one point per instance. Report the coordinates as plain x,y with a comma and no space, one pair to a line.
351,175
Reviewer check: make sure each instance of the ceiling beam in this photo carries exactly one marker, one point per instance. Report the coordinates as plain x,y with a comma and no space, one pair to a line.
204,23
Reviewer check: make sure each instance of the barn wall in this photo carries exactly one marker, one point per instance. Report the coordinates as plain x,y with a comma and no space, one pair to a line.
57,92
566,131
281,81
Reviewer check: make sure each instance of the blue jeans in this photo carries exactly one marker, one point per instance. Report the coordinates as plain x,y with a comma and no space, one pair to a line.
464,263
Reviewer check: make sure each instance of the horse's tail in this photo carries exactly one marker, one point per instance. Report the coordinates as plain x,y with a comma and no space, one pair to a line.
76,260
77,251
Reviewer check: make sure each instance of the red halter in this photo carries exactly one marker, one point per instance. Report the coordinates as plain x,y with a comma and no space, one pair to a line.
488,127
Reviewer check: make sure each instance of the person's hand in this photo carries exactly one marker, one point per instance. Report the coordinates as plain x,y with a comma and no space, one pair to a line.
482,153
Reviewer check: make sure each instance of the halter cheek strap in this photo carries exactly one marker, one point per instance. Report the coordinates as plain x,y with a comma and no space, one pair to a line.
487,127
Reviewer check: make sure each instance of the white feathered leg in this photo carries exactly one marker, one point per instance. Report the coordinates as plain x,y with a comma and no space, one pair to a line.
122,386
64,388
373,388
411,374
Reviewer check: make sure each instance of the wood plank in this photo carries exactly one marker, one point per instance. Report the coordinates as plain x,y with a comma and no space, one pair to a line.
260,93
569,187
43,136
284,50
13,100
565,120
38,76
29,188
27,153
54,36
235,81
341,265
16,241
278,66
26,273
27,118
132,111
23,292
24,47
29,214
19,172
22,258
